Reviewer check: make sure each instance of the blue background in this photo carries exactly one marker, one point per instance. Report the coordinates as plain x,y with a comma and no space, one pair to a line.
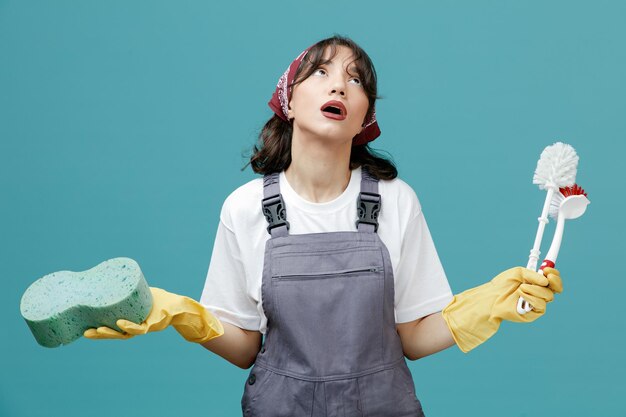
122,128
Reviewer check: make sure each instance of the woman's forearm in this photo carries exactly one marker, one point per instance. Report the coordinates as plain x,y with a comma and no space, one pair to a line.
430,335
236,345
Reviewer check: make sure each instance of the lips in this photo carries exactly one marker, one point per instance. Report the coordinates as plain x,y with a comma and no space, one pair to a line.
334,110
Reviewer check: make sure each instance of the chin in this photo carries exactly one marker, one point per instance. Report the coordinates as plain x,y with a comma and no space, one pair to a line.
335,137
327,130
333,133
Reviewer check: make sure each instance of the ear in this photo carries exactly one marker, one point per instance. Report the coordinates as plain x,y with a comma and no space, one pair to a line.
289,112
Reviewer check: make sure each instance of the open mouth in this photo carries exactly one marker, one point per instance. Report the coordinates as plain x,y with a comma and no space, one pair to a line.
334,110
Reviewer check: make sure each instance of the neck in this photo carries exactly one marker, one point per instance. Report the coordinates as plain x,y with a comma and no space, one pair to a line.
319,170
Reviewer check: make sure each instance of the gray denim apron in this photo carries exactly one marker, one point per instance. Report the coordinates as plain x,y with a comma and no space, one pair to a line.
331,346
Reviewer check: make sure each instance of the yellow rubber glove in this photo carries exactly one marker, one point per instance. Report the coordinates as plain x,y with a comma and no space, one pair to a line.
473,316
186,315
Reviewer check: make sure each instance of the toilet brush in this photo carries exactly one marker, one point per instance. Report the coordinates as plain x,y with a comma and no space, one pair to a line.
569,203
556,168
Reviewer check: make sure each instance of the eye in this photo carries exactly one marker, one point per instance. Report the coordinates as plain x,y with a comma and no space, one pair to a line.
358,80
317,71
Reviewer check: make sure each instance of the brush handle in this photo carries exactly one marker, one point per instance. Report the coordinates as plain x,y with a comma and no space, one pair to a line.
553,252
524,306
543,220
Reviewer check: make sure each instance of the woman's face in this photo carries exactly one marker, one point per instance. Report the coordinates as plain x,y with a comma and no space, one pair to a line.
335,81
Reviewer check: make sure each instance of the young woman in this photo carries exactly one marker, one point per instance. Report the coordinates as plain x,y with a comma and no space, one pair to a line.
323,274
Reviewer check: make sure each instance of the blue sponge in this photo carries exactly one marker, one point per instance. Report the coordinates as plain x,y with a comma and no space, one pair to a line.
60,306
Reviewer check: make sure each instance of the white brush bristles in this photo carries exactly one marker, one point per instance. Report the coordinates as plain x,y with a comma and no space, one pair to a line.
556,166
555,204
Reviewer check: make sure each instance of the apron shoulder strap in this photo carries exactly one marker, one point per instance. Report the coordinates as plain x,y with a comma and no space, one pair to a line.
368,204
273,206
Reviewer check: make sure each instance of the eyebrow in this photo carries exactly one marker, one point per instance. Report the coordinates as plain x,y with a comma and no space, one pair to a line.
352,70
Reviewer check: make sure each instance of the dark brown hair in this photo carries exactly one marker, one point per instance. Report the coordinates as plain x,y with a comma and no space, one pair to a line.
272,153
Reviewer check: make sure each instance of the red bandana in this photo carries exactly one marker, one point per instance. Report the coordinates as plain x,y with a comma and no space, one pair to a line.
282,95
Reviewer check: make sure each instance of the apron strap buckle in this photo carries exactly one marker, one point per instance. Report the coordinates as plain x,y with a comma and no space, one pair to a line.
368,207
274,211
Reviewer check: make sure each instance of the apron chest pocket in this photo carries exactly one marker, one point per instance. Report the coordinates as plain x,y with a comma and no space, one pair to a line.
327,315
328,274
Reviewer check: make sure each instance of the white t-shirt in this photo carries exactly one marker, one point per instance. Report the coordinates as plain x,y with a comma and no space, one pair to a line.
232,291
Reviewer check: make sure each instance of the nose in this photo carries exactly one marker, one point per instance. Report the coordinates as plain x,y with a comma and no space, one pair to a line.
338,86
339,91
